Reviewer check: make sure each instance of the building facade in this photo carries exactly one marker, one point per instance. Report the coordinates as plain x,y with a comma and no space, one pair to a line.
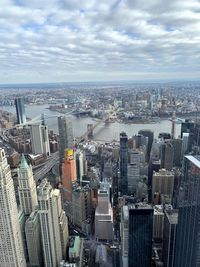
123,185
20,110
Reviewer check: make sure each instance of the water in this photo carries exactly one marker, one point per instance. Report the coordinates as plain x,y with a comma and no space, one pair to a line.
102,132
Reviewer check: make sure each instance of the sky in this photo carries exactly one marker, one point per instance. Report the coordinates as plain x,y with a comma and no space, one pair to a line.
99,40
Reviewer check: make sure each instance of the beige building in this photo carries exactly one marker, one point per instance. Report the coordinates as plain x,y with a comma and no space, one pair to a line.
11,245
163,183
54,226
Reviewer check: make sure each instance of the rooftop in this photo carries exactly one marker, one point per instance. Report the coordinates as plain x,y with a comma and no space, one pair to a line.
194,159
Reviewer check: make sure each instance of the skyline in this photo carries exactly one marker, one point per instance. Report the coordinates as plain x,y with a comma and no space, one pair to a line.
71,41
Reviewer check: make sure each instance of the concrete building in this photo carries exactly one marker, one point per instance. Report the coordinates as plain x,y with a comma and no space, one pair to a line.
158,222
20,110
65,135
11,245
163,183
169,237
54,236
81,208
167,156
76,250
103,217
80,162
27,187
33,240
124,235
39,139
185,144
133,177
149,134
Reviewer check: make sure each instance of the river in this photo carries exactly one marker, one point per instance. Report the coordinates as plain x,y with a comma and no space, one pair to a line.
102,132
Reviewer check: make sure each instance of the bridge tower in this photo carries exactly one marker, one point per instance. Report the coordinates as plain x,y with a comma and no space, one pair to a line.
90,131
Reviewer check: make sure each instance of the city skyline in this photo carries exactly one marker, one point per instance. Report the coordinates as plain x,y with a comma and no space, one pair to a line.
65,41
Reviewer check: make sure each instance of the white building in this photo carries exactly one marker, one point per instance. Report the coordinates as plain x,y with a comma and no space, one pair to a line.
11,246
39,139
53,224
33,240
185,143
124,235
27,187
103,217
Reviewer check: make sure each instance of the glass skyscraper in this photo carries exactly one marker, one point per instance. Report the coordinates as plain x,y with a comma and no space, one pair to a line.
20,110
187,252
140,235
123,185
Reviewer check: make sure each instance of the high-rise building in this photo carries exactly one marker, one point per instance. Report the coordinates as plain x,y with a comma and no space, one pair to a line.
20,110
158,222
149,134
140,140
154,165
80,162
123,185
169,237
53,224
188,230
124,234
133,177
167,156
187,127
163,183
27,187
177,144
33,240
68,174
65,135
140,235
103,217
11,245
185,144
39,139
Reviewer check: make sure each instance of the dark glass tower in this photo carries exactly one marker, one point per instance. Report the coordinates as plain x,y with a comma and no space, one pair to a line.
149,134
140,235
187,252
20,110
123,185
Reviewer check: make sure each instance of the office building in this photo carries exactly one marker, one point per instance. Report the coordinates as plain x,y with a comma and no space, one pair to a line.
188,230
133,177
80,165
149,134
185,144
34,240
68,174
124,233
103,217
187,127
123,185
139,140
65,135
20,110
177,145
169,237
11,245
76,250
27,187
163,183
52,220
158,222
39,139
167,156
154,165
140,235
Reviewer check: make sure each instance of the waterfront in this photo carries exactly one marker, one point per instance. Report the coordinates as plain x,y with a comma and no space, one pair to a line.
102,132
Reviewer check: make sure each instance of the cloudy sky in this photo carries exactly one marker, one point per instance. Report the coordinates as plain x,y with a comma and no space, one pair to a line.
92,40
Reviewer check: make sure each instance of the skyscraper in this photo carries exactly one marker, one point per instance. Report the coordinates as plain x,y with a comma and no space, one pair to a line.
11,246
169,237
167,156
123,185
188,230
53,224
140,235
149,134
65,134
27,187
20,110
39,139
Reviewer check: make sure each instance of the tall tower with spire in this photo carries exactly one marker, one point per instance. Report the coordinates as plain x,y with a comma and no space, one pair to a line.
27,187
11,246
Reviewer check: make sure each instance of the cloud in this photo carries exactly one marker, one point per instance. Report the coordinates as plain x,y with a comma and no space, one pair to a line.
89,40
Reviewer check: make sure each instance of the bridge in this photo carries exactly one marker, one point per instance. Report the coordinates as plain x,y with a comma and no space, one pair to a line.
89,133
